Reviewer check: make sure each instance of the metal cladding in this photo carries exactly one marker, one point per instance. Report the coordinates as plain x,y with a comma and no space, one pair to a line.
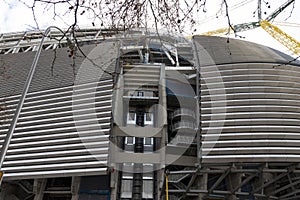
249,103
249,108
64,125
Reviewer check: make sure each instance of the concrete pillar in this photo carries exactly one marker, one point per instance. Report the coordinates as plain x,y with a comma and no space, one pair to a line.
75,187
234,180
39,186
267,177
202,185
160,183
114,179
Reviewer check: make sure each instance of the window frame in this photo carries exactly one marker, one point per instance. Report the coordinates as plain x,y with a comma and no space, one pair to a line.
128,121
147,122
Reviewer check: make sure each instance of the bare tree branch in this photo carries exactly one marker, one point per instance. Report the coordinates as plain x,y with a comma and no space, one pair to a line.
172,15
230,27
291,12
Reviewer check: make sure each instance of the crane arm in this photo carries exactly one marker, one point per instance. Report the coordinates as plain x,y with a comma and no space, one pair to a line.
279,10
217,32
285,39
245,26
250,25
237,28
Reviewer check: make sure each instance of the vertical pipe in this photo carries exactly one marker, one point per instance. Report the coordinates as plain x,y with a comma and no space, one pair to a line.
167,187
22,98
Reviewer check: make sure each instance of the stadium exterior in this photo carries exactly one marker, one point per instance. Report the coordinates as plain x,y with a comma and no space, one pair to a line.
138,115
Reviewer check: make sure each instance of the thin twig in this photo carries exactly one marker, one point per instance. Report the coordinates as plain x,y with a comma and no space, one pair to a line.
228,18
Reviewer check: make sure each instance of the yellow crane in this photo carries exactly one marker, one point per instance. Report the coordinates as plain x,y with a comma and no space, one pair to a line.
285,39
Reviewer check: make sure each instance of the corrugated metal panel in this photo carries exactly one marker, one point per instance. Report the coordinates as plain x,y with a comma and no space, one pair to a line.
64,125
57,137
250,113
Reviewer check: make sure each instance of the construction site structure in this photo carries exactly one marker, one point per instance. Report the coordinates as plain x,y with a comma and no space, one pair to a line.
148,115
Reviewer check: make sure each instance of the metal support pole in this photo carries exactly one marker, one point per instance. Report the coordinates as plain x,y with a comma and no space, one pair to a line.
167,187
22,98
198,96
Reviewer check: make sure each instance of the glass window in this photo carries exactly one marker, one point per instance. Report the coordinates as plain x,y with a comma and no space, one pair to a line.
140,93
147,189
126,189
148,171
148,118
148,141
129,140
129,144
131,117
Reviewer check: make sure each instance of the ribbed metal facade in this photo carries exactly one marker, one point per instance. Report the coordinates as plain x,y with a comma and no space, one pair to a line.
249,103
128,116
64,125
47,142
256,119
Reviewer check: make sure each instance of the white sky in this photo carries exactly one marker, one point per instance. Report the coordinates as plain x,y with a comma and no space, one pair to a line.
258,35
17,17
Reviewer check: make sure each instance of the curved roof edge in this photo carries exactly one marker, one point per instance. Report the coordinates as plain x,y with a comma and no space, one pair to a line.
220,50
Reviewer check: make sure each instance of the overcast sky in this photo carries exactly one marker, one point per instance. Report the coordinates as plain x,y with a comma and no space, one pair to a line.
17,17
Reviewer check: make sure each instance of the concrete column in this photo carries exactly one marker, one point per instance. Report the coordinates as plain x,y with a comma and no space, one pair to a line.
267,177
114,179
235,180
118,117
39,186
75,187
162,123
202,185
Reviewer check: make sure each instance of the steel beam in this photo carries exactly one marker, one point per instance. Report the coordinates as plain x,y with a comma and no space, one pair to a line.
275,179
243,182
221,178
286,187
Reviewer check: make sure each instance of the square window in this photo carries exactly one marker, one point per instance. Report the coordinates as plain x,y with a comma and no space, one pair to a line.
148,141
147,189
126,189
129,140
131,117
140,94
148,118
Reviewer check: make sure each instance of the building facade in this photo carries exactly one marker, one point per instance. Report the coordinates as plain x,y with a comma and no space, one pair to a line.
140,115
